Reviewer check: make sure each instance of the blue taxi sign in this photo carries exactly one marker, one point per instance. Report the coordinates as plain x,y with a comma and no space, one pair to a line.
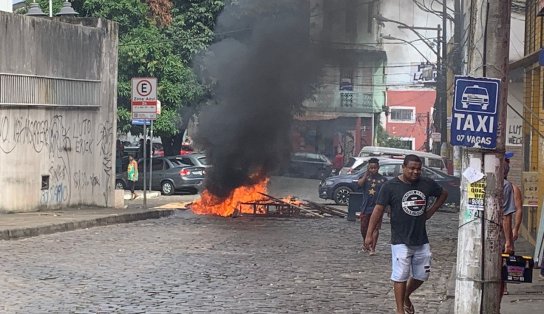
475,112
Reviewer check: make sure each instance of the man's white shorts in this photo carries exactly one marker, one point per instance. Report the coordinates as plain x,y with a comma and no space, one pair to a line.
411,260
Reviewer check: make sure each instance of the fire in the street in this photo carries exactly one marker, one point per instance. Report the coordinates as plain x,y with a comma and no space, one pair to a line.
209,204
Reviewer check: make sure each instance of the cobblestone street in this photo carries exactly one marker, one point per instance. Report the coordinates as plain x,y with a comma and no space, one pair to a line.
191,264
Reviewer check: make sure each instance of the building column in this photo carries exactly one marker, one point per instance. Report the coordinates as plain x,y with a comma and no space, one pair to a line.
357,139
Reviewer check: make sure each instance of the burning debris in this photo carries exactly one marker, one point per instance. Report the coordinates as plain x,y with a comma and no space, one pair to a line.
254,201
259,76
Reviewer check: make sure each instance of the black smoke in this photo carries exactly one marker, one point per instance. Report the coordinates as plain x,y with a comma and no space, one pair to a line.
260,74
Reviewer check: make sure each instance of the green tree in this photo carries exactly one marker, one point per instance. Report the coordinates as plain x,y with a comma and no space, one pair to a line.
384,140
157,38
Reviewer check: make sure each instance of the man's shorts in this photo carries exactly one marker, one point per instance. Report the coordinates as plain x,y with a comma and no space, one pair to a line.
410,260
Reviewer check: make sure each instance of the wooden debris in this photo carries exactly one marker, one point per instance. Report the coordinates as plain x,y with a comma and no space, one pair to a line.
326,209
302,209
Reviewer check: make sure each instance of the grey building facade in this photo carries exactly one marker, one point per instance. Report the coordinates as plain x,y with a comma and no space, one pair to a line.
58,91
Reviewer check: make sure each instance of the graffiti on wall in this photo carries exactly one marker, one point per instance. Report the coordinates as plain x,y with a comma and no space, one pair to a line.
514,129
71,146
105,143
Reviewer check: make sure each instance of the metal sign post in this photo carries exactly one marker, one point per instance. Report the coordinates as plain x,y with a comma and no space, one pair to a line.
144,107
145,163
151,159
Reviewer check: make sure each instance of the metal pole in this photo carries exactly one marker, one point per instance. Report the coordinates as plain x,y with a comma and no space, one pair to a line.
145,162
428,132
151,159
50,8
457,62
444,88
439,106
478,251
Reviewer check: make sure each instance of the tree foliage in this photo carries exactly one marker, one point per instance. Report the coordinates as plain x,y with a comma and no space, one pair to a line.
384,140
160,38
157,38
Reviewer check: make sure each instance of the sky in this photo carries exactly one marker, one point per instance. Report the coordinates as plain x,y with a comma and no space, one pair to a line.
403,54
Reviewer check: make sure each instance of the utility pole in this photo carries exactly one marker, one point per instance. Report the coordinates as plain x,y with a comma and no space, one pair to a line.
487,29
457,70
444,83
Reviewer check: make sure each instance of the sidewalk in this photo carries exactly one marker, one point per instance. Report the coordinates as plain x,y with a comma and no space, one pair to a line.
527,297
521,298
21,225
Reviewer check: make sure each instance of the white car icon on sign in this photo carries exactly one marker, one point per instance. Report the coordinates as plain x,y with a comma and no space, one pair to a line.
476,96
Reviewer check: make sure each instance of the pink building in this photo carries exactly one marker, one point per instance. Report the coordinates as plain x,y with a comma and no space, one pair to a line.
410,116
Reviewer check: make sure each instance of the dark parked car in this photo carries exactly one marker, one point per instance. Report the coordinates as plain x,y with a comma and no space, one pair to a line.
309,165
338,188
169,175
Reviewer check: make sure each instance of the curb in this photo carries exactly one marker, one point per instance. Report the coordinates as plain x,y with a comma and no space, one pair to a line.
19,233
447,306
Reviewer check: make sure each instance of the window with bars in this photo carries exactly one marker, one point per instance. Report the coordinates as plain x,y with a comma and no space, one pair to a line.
403,115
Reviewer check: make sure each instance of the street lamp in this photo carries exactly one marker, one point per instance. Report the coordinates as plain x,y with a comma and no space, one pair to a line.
66,9
389,37
441,80
35,10
381,19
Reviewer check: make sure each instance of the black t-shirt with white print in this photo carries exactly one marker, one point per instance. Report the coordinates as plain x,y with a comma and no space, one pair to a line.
408,202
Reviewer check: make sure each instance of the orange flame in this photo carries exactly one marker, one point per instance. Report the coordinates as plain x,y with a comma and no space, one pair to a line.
292,200
209,204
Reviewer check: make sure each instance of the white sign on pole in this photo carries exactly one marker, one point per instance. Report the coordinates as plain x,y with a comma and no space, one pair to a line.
144,115
144,90
144,98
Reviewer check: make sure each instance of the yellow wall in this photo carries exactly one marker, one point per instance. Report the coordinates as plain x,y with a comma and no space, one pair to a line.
534,113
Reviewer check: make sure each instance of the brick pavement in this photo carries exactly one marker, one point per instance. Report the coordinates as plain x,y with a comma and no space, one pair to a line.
201,264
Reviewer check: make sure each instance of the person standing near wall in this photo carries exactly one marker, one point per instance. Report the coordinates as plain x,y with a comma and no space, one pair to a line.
338,162
512,207
132,173
518,199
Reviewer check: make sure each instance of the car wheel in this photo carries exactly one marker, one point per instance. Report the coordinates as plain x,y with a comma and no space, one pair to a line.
341,195
167,188
119,185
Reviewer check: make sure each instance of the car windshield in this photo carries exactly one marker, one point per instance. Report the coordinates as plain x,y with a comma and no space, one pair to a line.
476,91
203,160
176,162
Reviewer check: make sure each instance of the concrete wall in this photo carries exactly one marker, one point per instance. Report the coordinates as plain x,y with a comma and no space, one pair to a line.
347,22
58,82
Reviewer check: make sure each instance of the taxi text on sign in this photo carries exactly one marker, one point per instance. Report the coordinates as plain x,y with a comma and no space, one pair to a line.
475,113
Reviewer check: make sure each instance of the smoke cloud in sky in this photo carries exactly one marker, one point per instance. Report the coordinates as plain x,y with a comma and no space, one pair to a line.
260,74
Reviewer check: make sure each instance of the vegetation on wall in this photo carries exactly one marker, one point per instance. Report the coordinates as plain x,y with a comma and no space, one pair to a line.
384,140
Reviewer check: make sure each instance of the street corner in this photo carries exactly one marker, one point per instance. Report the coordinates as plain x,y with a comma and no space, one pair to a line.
182,205
140,195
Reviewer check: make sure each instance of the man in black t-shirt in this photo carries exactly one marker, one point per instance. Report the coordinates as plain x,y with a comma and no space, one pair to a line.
408,196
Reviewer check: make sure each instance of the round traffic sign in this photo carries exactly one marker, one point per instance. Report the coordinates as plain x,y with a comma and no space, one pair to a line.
144,88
